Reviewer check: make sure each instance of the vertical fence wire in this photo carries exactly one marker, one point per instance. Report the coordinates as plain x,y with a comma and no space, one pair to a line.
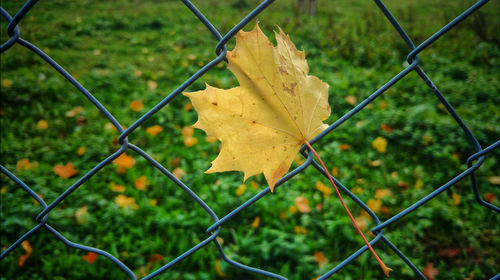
473,162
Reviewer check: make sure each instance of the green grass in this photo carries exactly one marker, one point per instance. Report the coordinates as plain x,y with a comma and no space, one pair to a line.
349,44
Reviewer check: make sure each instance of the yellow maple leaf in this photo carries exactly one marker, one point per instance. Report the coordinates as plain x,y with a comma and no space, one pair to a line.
65,171
24,164
277,107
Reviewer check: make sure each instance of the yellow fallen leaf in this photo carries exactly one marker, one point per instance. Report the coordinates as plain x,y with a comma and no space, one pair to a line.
256,222
323,188
419,184
344,147
154,130
27,247
241,189
292,210
116,188
136,105
178,173
380,144
81,151
351,99
65,171
495,180
190,141
75,111
455,199
302,204
381,193
300,230
137,73
188,106
126,202
277,107
218,271
6,83
82,215
141,183
152,85
153,202
42,124
374,204
211,139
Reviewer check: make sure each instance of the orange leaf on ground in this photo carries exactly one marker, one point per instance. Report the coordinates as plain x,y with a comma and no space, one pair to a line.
65,171
178,173
126,202
90,257
141,183
6,83
292,210
383,104
449,252
320,259
116,187
136,105
489,197
75,111
455,199
300,230
256,222
335,171
350,99
24,164
381,193
27,247
344,147
124,161
302,204
81,151
374,204
387,128
154,130
375,163
403,185
42,124
218,271
188,107
190,141
430,271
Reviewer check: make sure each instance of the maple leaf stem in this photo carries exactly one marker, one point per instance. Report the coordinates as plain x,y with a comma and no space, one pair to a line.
380,262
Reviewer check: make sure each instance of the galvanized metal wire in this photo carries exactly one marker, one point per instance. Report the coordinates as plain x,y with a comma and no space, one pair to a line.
473,162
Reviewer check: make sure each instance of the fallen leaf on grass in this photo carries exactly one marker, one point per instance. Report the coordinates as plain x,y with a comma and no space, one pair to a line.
380,144
154,130
90,257
75,111
381,193
136,105
324,189
495,180
178,173
449,252
430,271
65,171
24,164
123,162
241,189
490,197
126,202
82,215
387,128
27,247
42,124
320,259
81,151
344,147
218,271
300,230
350,99
141,183
116,188
302,204
256,222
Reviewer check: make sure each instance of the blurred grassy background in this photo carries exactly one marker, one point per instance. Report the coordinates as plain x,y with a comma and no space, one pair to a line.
126,51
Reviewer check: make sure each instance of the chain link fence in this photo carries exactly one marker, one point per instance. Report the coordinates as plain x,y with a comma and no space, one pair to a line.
473,162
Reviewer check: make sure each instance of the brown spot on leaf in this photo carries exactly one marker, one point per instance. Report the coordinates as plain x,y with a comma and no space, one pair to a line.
214,103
